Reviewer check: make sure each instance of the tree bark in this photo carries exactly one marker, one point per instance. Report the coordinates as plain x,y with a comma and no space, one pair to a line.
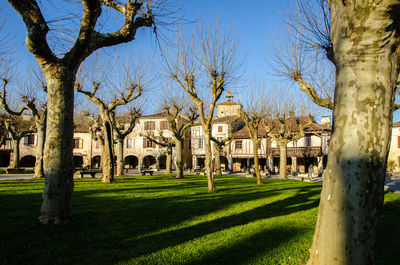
108,153
217,160
40,131
364,42
256,163
282,160
16,152
179,164
169,160
208,162
120,157
58,160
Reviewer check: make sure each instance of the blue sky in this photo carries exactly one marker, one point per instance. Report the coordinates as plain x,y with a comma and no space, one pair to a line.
258,24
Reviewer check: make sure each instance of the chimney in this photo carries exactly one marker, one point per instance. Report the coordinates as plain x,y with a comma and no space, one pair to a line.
326,120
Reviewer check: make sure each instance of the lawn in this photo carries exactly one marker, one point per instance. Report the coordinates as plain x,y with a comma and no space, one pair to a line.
161,220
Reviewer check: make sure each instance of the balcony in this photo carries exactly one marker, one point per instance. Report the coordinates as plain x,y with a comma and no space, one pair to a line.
308,151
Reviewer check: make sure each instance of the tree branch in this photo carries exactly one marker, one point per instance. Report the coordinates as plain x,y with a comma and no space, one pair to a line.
312,93
36,27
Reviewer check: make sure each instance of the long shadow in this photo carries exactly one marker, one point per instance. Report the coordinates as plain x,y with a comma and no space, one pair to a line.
107,229
176,237
249,248
388,243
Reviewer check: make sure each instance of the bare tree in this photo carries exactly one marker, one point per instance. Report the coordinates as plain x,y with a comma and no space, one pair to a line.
120,134
218,146
215,58
362,37
163,141
256,108
106,112
60,76
39,114
179,122
283,129
18,129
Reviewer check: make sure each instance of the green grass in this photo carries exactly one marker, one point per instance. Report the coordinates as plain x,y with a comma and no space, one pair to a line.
161,220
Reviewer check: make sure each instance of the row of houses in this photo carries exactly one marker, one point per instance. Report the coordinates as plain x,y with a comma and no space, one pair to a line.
237,155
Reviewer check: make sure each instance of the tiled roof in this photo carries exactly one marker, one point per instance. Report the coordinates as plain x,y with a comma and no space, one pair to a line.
396,124
293,125
229,103
156,115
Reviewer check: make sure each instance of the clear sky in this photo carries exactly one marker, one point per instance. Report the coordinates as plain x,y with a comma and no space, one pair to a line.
258,24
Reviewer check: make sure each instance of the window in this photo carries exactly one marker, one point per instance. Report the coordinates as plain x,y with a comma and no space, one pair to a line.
129,143
201,143
148,144
259,145
220,128
163,125
149,125
308,140
78,143
398,141
238,145
29,139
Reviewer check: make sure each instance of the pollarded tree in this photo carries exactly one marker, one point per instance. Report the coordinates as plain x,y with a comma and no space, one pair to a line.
256,108
161,140
179,122
106,112
283,129
18,129
215,56
39,116
364,37
60,75
121,132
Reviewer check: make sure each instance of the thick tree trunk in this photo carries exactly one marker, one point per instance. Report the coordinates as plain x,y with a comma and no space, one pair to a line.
120,157
367,68
39,170
58,159
282,161
179,164
108,154
16,152
169,160
256,164
217,160
208,162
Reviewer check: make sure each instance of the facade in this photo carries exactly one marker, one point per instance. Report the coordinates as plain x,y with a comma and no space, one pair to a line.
237,155
394,152
138,151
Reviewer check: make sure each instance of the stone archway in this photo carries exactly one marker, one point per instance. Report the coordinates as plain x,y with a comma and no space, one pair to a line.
78,161
27,161
224,163
149,162
131,161
96,162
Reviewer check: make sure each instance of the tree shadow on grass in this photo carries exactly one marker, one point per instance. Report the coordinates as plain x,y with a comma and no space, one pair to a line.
108,228
388,243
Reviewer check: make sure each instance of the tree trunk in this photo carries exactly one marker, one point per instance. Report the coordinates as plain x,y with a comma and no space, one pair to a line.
169,160
179,164
108,154
16,142
120,157
40,128
217,160
367,68
58,159
208,162
282,160
256,164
